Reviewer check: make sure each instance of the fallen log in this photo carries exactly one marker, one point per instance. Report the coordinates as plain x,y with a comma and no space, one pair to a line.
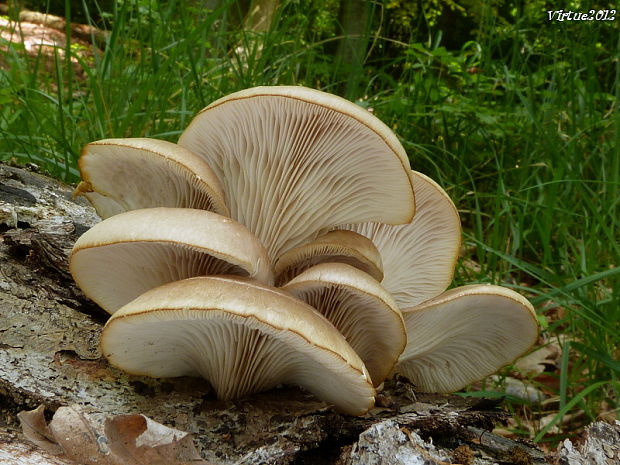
49,356
83,32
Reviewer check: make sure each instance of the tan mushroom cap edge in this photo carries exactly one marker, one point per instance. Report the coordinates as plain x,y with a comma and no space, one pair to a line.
340,246
127,174
327,100
465,334
360,308
240,335
129,253
296,161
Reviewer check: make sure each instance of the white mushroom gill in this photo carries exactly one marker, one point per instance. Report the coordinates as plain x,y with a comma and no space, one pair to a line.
241,336
236,357
132,268
128,174
359,308
464,335
130,253
171,187
419,257
291,168
347,312
294,270
341,246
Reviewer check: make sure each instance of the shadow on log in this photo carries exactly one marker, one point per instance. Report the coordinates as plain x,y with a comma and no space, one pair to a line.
49,356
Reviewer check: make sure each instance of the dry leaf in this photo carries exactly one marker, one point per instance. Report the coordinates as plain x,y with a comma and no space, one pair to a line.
78,439
36,430
139,440
536,362
128,440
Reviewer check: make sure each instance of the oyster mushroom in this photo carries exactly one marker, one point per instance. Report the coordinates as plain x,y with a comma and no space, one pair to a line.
128,174
290,164
363,311
334,247
127,254
418,257
241,336
464,335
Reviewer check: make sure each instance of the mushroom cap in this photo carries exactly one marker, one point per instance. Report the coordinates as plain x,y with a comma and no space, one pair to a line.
465,334
418,257
240,335
335,247
360,308
127,174
127,254
294,161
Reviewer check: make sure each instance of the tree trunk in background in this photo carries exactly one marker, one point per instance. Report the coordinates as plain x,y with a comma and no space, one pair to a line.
260,15
251,15
355,22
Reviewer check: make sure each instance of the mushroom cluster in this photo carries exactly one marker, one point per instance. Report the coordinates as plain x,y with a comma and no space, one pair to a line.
277,243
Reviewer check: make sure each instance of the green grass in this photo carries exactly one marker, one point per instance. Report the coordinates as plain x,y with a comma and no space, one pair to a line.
520,126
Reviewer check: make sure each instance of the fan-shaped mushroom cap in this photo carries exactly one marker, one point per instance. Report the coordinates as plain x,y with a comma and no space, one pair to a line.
419,257
363,311
128,174
241,336
294,161
464,335
130,253
335,247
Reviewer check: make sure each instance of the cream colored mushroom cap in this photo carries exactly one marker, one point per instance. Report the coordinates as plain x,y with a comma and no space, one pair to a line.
295,161
128,174
127,254
335,247
241,336
360,308
466,334
418,257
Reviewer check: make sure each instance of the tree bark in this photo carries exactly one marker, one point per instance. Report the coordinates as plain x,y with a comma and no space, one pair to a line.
353,46
260,15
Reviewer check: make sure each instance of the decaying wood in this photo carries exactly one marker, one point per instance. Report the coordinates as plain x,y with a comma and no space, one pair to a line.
49,356
600,445
81,31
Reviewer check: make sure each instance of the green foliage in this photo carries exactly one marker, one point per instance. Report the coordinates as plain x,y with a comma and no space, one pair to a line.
518,121
522,125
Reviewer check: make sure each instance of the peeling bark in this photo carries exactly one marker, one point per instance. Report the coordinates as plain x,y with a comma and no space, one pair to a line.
49,356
